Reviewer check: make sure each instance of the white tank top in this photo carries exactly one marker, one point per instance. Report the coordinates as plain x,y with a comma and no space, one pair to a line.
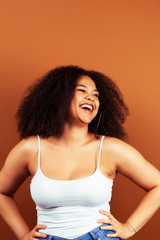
70,208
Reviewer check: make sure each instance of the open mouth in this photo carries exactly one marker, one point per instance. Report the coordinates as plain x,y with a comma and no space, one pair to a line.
87,107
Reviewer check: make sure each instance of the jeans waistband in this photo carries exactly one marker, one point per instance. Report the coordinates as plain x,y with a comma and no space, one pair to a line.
95,234
86,236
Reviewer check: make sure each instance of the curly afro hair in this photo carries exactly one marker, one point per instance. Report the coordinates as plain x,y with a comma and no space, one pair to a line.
43,110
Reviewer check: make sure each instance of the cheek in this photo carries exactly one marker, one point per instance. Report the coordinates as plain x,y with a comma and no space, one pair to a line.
77,97
75,103
98,105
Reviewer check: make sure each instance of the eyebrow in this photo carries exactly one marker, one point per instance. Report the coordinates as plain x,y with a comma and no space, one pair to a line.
81,85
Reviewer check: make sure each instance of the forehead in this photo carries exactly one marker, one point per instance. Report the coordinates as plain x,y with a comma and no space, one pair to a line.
86,81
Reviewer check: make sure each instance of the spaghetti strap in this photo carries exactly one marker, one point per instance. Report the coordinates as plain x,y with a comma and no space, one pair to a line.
39,150
100,150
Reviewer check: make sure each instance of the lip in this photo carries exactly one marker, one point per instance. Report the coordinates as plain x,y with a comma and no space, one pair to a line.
88,105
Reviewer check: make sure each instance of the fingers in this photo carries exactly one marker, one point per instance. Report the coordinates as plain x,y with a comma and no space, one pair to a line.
119,229
35,234
112,235
39,234
107,227
109,215
38,227
112,221
110,227
108,220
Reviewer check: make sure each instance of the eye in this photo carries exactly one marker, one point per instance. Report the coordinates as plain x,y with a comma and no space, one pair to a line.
96,95
80,90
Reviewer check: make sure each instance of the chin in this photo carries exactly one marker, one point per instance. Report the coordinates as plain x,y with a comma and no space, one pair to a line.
86,121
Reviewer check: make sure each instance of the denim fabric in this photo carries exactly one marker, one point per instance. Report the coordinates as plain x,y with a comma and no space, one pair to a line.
95,234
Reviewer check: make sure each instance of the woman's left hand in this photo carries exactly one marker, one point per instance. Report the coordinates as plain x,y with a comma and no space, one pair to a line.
121,230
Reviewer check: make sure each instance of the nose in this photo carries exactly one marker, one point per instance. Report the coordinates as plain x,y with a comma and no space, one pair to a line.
89,97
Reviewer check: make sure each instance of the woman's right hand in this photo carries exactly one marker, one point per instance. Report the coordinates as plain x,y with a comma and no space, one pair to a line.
35,234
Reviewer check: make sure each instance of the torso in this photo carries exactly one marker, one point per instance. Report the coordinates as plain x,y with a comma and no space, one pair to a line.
68,184
73,162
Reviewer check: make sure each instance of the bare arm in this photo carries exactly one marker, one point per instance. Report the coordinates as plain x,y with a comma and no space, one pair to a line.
12,175
136,168
131,164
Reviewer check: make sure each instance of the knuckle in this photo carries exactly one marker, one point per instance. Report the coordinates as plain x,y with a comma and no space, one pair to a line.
110,227
111,222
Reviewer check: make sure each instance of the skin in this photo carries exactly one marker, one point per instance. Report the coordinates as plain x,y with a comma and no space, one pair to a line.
77,143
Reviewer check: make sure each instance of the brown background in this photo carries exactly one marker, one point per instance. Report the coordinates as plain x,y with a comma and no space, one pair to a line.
118,38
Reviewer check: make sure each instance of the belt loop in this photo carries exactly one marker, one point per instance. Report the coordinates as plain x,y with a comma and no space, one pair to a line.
93,235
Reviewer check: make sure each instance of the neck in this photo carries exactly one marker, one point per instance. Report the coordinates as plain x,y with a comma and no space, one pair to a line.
73,135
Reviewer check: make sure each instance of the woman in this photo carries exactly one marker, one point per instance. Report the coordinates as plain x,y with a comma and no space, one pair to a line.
62,122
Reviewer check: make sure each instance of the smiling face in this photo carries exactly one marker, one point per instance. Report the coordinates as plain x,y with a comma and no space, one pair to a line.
85,103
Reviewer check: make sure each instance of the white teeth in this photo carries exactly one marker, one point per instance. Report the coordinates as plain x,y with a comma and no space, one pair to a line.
87,106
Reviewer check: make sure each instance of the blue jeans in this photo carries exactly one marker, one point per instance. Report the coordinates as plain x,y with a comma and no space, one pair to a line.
95,234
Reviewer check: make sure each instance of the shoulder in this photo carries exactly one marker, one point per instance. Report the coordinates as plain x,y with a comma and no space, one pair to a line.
24,150
15,169
112,144
130,163
120,151
27,145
